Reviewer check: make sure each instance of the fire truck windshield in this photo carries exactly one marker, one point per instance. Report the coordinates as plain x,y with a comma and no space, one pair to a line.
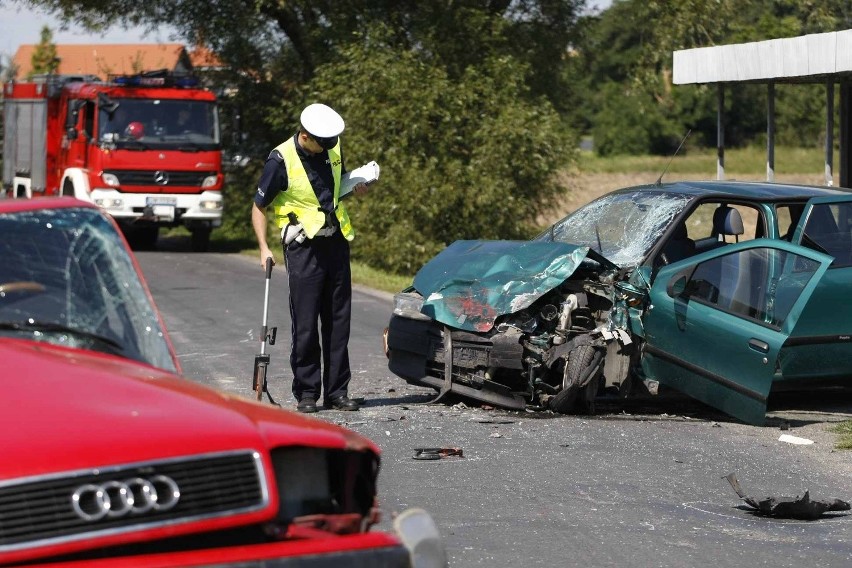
159,124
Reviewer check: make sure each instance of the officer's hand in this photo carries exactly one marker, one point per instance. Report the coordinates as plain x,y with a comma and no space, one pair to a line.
360,189
264,254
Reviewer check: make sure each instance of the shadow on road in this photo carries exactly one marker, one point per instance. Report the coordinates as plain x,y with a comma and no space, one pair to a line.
793,409
183,243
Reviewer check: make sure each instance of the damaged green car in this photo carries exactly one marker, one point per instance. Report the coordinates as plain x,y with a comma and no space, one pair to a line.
724,291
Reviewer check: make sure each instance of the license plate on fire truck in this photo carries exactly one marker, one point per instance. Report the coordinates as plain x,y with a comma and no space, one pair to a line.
163,207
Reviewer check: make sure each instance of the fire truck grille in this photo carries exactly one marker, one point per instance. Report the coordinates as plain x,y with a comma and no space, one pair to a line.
85,504
160,177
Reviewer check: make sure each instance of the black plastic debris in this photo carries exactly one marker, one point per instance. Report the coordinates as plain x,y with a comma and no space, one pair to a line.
436,453
803,507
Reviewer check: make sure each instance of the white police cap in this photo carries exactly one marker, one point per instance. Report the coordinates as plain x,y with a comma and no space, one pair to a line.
322,121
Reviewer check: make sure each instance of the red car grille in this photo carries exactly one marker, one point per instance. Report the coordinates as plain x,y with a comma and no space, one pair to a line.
40,511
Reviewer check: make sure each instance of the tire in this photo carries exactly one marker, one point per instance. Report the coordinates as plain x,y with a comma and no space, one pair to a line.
201,239
579,382
143,238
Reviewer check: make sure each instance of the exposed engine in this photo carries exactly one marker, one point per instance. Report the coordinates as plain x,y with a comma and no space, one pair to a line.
543,356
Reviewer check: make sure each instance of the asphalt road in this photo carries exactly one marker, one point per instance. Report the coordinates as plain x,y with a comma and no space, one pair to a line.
637,485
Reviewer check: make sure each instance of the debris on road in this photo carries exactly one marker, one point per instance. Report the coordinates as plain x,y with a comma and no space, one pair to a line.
794,440
797,507
436,453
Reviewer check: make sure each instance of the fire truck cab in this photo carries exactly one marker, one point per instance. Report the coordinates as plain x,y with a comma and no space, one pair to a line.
146,148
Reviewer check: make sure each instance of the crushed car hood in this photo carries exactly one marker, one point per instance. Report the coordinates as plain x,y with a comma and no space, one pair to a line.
471,283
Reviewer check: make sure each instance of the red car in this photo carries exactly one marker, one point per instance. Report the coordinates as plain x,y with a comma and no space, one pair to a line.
110,457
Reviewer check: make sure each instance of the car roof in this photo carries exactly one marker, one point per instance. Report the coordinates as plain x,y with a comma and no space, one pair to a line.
759,191
8,205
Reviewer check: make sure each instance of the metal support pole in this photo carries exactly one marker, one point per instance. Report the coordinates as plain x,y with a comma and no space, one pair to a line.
720,133
829,133
845,149
770,133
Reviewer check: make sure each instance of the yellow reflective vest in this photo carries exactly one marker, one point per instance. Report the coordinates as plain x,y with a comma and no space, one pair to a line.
300,197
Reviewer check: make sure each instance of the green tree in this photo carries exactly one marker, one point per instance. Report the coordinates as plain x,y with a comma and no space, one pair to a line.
462,157
631,44
44,59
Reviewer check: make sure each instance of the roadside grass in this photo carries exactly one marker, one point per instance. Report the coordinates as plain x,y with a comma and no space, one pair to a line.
749,161
377,279
844,435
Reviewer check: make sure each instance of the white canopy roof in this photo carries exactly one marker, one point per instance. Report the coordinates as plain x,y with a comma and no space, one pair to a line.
809,58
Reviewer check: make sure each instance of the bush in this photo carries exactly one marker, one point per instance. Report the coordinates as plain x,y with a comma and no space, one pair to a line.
467,158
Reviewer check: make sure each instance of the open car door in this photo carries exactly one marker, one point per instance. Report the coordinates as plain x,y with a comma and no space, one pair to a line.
819,350
717,321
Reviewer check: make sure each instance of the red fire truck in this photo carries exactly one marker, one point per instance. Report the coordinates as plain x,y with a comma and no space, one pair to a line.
146,148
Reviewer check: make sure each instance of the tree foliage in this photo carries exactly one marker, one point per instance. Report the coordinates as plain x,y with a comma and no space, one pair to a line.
44,58
472,156
631,44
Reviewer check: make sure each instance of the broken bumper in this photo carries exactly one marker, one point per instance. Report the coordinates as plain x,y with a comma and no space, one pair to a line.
417,352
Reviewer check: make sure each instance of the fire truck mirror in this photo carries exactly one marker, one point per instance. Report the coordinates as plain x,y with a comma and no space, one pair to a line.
74,107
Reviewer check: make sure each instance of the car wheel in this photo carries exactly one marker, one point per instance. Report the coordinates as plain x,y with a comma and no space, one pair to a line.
579,382
68,189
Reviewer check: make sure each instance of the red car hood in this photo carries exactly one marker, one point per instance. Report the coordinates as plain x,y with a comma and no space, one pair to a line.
65,409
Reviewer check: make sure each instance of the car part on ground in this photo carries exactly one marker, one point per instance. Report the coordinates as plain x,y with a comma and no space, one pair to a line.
722,290
788,507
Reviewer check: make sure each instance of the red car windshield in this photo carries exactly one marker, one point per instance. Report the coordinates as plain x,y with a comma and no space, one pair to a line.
67,278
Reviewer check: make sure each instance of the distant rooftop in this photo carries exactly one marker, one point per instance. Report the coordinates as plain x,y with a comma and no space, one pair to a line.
120,59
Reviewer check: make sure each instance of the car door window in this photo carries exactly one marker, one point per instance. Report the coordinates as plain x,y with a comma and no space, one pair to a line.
760,284
787,216
828,229
714,224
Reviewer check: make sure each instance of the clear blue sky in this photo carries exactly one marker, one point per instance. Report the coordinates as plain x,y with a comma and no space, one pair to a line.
20,25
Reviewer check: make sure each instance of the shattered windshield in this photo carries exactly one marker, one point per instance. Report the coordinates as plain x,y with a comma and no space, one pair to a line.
159,123
620,226
66,278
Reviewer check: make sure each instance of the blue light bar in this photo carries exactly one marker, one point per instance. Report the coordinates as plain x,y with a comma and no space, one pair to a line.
152,80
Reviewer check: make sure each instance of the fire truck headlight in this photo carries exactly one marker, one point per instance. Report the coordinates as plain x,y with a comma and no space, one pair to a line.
211,204
209,181
110,179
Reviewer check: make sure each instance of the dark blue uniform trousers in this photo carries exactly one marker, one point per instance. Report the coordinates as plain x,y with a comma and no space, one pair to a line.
320,282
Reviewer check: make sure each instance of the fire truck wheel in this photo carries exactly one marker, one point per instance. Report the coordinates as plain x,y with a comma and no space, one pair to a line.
142,238
201,239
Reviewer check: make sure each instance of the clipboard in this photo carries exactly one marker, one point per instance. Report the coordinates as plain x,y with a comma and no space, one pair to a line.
368,173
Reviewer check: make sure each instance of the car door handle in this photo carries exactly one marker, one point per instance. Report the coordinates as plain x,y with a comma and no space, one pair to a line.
758,345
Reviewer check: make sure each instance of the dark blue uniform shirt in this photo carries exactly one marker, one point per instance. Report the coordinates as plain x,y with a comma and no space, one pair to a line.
318,167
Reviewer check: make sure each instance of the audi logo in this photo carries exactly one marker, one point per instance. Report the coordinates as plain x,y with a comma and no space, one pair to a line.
114,499
161,177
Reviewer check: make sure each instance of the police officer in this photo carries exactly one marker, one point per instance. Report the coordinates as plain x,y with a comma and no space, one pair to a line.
301,181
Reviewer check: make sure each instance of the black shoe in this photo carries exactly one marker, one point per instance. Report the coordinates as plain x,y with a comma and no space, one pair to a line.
342,403
307,405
